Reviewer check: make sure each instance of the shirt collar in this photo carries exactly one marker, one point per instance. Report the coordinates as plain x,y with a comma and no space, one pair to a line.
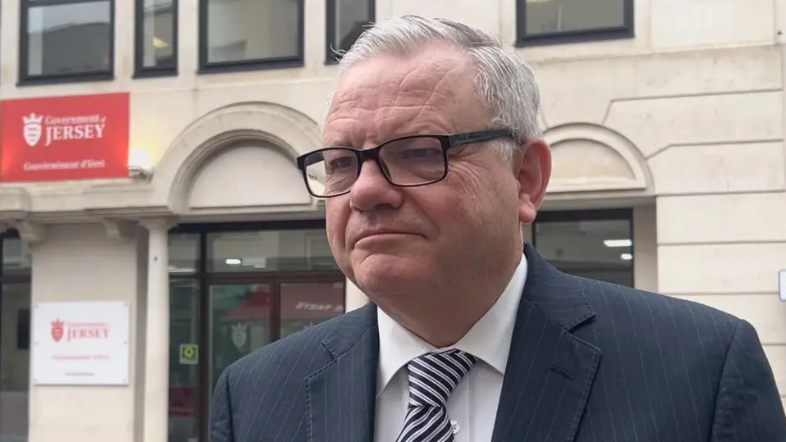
398,346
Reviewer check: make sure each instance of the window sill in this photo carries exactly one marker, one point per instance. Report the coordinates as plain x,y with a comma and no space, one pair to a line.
155,73
574,37
65,79
245,66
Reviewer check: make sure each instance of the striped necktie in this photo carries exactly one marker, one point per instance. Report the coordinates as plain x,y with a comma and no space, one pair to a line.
432,377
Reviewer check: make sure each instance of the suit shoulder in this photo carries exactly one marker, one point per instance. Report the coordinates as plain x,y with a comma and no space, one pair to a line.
622,301
653,329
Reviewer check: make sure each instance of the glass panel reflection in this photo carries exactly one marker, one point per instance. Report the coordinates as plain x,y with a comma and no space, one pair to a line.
183,360
600,249
239,323
306,304
158,38
269,251
183,253
16,257
53,31
558,16
251,30
352,17
14,362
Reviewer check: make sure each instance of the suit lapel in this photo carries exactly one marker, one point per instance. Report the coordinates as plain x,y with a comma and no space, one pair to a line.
341,396
550,371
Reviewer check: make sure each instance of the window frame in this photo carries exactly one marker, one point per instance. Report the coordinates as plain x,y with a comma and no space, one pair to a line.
24,47
523,39
566,216
330,27
205,278
206,67
140,70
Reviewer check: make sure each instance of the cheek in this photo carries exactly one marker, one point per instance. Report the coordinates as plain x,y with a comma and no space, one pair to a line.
447,209
470,193
482,201
335,225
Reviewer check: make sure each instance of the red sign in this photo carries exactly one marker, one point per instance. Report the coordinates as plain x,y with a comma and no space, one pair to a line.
64,138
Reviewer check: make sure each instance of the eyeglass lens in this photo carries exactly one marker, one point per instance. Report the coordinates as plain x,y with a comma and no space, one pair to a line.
406,162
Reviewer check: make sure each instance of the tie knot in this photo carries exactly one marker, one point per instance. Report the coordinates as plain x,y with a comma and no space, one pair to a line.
433,376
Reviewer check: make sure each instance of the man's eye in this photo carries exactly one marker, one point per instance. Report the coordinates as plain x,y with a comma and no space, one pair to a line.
341,163
420,153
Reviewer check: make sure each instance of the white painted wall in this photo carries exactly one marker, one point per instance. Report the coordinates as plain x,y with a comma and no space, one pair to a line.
81,263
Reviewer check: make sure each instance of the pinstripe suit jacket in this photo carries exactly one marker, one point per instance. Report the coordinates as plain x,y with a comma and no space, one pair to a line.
589,361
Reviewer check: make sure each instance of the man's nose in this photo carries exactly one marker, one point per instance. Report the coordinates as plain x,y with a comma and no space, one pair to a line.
372,191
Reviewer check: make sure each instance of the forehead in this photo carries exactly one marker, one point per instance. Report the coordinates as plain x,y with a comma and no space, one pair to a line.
432,90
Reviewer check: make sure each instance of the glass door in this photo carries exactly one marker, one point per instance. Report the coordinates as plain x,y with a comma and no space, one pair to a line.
14,361
245,316
243,313
184,360
240,318
233,289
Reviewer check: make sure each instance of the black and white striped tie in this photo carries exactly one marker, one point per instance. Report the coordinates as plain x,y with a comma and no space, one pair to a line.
432,377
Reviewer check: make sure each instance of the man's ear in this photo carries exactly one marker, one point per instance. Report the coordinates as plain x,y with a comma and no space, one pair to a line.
533,167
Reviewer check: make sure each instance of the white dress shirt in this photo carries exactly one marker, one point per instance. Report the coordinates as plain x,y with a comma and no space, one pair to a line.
473,404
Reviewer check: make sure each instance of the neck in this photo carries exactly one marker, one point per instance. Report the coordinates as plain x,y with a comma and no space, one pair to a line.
443,329
441,318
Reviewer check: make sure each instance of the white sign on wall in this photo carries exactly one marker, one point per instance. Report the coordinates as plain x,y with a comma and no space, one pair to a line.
80,343
782,284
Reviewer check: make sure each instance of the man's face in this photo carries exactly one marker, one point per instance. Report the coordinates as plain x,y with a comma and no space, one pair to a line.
444,231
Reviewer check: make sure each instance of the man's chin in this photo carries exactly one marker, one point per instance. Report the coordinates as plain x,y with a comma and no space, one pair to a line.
385,272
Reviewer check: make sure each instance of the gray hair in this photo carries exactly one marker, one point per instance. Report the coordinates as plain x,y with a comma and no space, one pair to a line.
504,81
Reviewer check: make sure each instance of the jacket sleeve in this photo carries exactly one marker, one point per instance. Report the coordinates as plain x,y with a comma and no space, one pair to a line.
748,407
221,411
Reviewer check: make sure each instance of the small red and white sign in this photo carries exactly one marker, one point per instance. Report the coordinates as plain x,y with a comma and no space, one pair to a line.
81,343
64,138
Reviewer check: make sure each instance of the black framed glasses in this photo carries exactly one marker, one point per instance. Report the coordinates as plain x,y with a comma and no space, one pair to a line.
411,161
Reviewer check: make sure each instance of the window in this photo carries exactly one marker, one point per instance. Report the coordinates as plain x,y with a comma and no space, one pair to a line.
592,244
346,20
250,34
156,38
232,289
14,338
66,39
262,251
570,21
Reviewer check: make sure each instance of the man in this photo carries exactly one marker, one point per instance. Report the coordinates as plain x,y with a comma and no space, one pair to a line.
432,161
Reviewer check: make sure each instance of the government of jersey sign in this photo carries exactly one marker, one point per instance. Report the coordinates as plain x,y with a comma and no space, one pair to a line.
64,138
81,343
